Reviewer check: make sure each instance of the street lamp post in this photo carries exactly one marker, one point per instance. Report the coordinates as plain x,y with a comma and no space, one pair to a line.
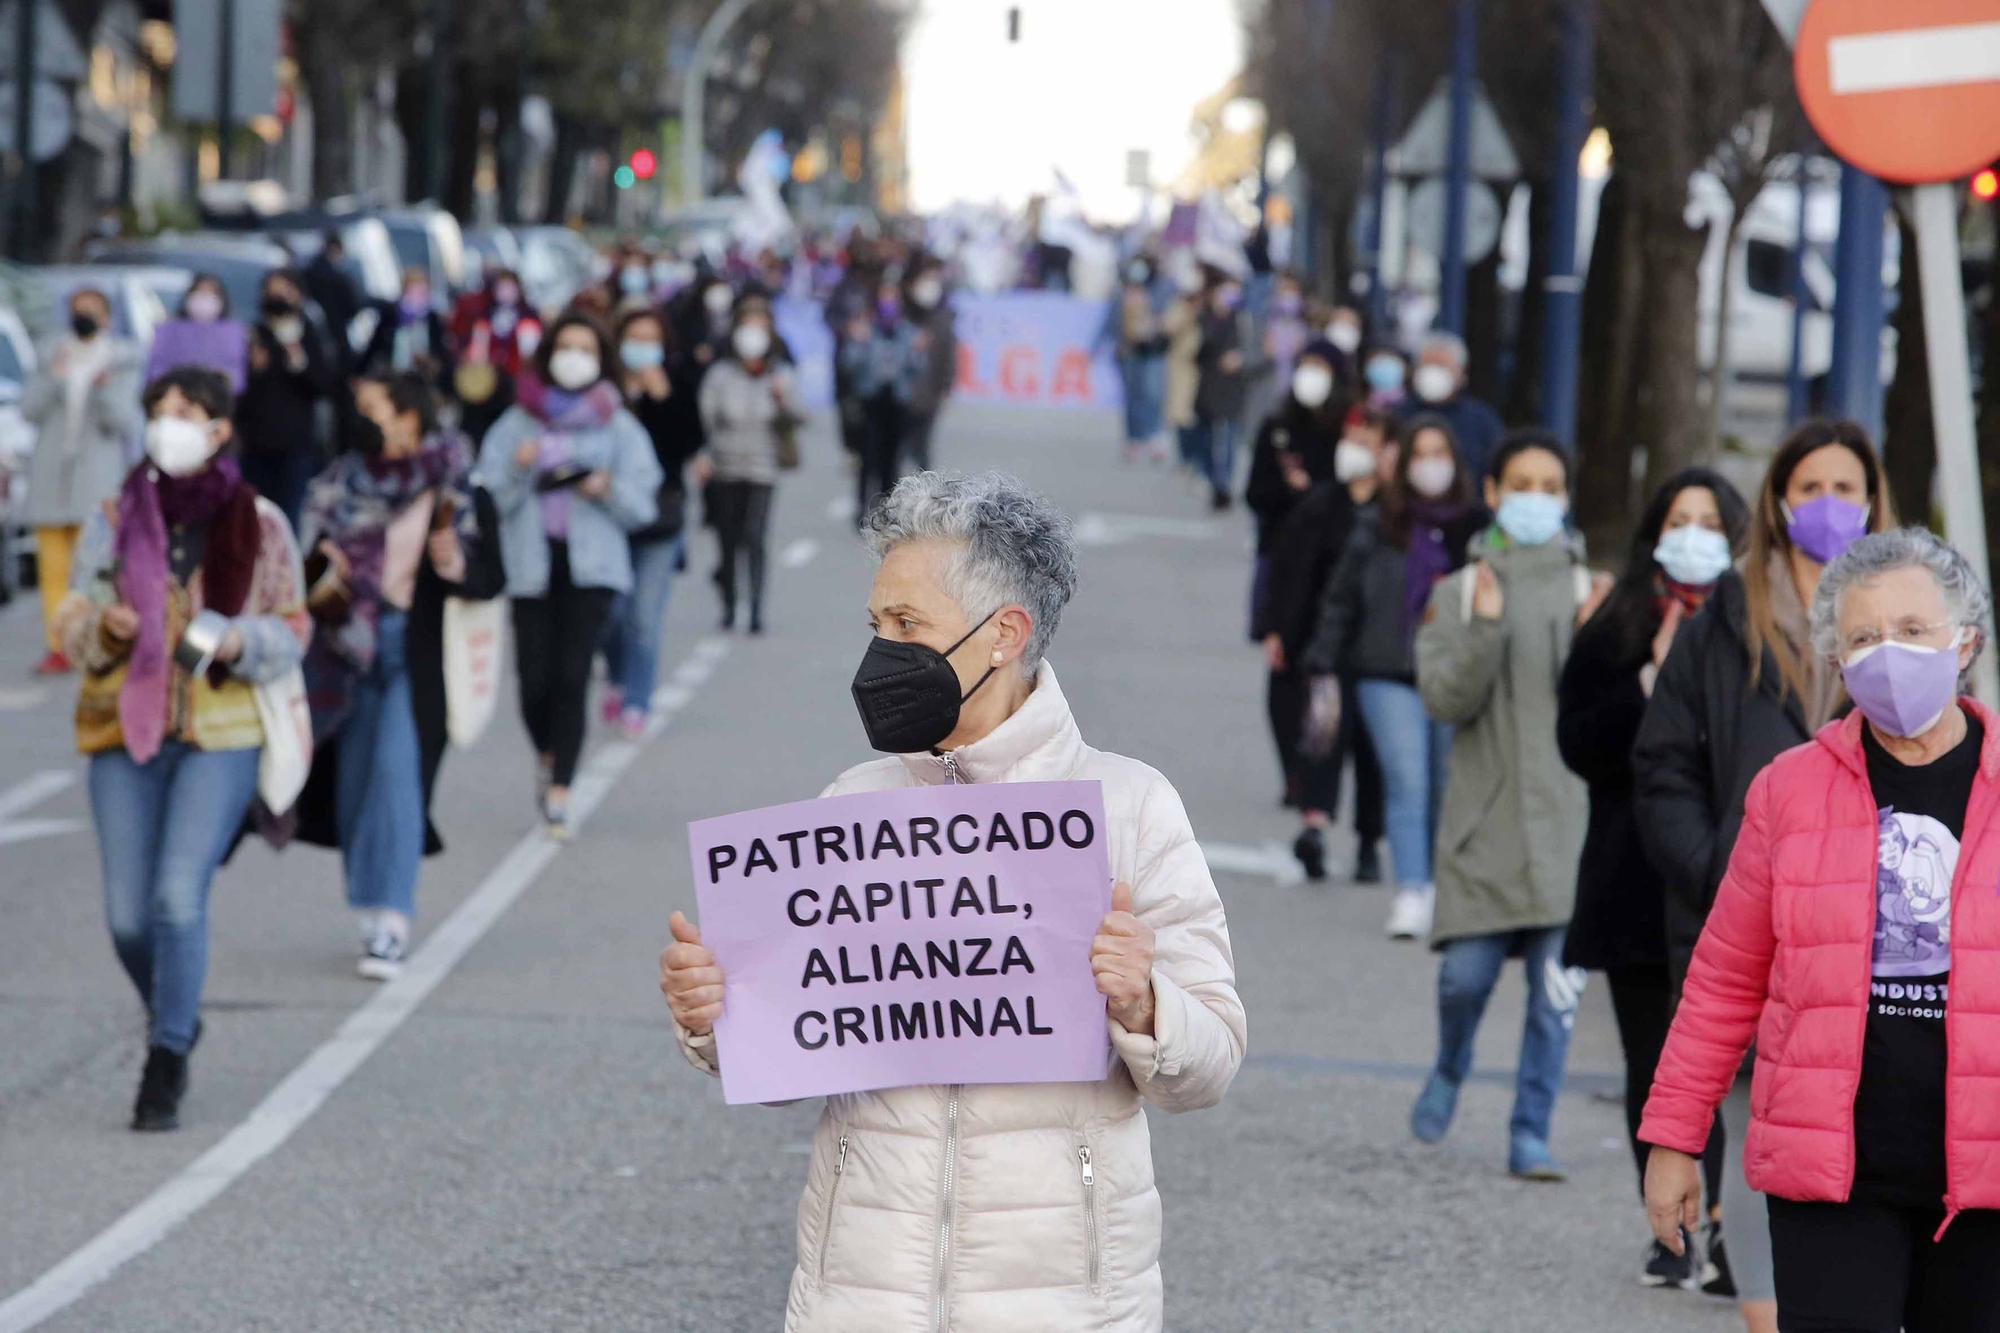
1458,170
1563,288
694,179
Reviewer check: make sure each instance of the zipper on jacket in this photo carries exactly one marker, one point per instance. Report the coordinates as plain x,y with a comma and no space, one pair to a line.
942,1281
1089,1218
826,1217
950,761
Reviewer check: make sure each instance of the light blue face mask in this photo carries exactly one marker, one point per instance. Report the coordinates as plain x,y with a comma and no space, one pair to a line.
1693,555
1530,518
642,355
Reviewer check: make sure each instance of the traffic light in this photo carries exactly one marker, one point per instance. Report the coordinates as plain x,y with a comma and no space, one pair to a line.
644,163
1986,185
623,178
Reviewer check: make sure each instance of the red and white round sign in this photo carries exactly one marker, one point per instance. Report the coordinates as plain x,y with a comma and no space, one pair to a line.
1908,90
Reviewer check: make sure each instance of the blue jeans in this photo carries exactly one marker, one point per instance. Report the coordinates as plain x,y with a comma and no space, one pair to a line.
162,829
632,633
1214,448
1466,978
379,790
1412,750
1145,383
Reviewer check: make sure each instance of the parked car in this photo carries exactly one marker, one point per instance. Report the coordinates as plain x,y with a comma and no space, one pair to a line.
488,248
140,296
240,261
17,441
429,238
371,255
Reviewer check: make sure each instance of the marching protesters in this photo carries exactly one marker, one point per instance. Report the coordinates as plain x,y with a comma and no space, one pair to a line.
987,1206
277,419
85,410
410,334
750,418
1439,382
327,282
1343,332
1292,454
1855,893
935,347
1303,558
496,331
881,364
1492,643
1739,687
391,529
193,556
1287,333
1366,632
1222,386
202,335
656,402
1684,543
572,475
1142,341
1386,376
1181,324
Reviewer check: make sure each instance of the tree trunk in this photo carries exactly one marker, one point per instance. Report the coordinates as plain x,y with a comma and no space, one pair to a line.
1666,410
462,133
1909,438
1612,322
510,152
1725,308
325,74
562,170
1524,391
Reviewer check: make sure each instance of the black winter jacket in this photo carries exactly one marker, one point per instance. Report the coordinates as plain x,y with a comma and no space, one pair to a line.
1707,733
1303,555
1310,439
1621,904
1364,628
277,413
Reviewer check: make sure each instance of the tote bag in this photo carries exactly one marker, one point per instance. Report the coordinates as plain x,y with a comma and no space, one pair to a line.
474,636
286,759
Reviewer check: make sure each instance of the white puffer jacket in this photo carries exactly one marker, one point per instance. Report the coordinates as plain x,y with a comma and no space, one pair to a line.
1028,1208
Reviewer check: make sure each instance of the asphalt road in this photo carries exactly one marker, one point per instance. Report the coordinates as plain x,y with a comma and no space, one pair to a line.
527,1151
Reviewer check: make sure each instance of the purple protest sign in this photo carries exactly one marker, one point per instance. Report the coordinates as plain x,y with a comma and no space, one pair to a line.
921,935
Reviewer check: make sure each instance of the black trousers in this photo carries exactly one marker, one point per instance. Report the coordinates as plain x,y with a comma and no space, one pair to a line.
882,425
1869,1268
1642,1002
740,512
917,427
1314,784
555,640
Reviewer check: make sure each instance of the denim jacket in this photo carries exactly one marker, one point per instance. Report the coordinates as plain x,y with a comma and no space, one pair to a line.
599,553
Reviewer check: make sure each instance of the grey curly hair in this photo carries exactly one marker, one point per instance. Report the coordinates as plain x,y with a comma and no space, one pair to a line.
1015,546
1967,601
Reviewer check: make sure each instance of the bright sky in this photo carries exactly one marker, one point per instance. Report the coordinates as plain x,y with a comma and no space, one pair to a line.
1088,81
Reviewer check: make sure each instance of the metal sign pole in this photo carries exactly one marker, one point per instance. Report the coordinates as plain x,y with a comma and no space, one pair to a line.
25,38
1951,395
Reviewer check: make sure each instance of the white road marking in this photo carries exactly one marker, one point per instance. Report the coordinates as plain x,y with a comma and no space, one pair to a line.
31,792
1269,860
841,508
1911,58
26,830
799,553
306,1088
22,701
1099,529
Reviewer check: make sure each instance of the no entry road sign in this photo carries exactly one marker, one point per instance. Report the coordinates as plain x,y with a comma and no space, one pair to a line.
1908,90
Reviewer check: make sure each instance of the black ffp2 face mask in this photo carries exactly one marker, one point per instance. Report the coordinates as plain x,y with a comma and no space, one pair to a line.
907,693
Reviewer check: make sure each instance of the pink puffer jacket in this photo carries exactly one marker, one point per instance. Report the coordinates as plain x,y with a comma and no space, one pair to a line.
1786,957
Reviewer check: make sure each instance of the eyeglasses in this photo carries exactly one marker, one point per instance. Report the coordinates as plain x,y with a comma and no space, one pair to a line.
1912,632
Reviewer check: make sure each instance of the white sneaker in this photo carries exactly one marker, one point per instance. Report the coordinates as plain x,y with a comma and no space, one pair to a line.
382,957
1410,913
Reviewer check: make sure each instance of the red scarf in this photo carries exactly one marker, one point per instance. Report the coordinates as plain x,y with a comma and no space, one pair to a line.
1689,596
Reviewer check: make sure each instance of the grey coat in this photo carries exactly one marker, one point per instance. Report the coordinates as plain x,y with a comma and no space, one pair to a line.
66,484
742,414
1511,831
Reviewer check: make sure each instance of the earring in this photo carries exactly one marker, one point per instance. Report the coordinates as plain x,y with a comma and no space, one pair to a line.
997,657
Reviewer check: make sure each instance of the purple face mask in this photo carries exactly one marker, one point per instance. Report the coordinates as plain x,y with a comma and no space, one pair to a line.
1903,689
1825,527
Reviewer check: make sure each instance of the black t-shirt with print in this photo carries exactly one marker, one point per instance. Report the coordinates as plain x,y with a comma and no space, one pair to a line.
1899,1110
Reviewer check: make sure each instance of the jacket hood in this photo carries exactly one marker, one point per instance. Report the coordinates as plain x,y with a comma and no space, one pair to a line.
1039,743
1842,738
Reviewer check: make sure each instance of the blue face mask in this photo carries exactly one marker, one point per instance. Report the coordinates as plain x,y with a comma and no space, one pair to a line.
642,355
1385,374
1530,518
1693,555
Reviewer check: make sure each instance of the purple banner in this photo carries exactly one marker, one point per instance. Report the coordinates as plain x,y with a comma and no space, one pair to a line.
923,935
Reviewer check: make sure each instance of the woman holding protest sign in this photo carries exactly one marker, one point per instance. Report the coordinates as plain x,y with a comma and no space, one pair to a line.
1039,1208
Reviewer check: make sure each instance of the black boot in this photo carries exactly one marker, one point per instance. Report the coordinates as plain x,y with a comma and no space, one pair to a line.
1368,865
1311,851
161,1088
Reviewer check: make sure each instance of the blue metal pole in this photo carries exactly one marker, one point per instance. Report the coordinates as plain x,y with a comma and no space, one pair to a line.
1855,386
1458,170
1562,300
1380,114
1795,368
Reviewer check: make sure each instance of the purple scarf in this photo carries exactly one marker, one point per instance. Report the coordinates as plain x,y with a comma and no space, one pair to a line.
1427,559
148,506
564,413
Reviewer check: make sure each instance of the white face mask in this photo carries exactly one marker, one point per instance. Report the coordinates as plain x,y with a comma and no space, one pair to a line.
289,330
1312,385
178,448
1435,383
574,369
1432,477
751,341
1352,460
927,292
718,299
204,306
1345,336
